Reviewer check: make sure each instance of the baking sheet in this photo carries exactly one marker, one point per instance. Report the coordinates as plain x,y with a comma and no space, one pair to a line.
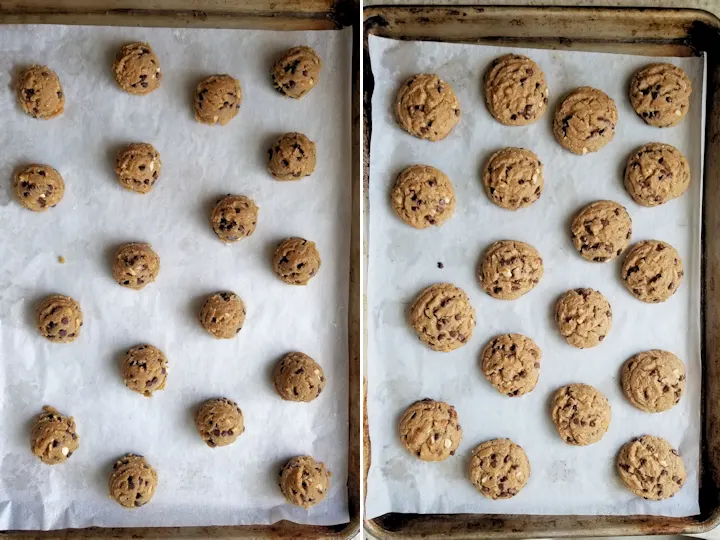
402,261
198,485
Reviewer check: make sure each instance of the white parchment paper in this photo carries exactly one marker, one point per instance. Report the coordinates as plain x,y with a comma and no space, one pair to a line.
402,261
198,485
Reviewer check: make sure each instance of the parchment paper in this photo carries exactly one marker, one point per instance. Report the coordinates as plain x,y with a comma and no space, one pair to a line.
198,485
565,479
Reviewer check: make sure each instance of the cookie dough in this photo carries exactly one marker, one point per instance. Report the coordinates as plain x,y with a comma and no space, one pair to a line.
132,481
511,363
656,173
654,380
291,157
423,196
581,414
651,468
601,231
304,481
510,269
298,377
652,271
217,100
135,265
145,369
296,261
38,187
138,167
442,317
660,94
499,469
583,317
513,178
430,430
40,93
585,120
137,68
59,318
223,315
220,422
297,72
234,217
515,90
427,107
53,437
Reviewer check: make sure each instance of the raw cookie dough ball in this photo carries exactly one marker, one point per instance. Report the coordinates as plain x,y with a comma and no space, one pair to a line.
297,72
291,157
40,93
651,468
585,120
53,437
304,481
138,167
660,94
296,260
298,377
234,218
511,363
59,318
656,173
442,317
653,381
426,107
601,231
133,481
513,178
652,271
217,99
220,422
510,269
515,90
430,430
135,265
581,414
38,187
223,315
423,196
499,469
583,317
137,69
145,369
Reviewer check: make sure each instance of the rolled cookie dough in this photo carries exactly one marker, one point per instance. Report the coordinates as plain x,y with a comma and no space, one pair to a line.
511,363
652,271
145,369
223,315
423,196
656,173
132,481
583,317
53,437
601,231
59,318
234,217
499,469
296,261
135,265
430,430
427,107
137,68
217,99
220,422
38,187
304,482
654,380
509,269
513,178
297,72
40,93
651,468
581,414
585,120
138,167
298,377
442,317
292,157
516,93
660,94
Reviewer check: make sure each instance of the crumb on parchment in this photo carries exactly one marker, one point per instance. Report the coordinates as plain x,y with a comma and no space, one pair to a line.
61,259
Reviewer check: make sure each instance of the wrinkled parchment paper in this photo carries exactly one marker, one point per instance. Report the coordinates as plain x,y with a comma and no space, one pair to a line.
198,485
564,479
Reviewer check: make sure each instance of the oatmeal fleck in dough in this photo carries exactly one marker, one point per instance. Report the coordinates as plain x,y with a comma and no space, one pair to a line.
298,377
513,178
296,261
651,468
499,469
430,430
234,217
583,317
291,157
652,271
297,72
40,93
442,317
509,269
511,363
223,315
427,107
137,69
585,120
581,414
59,318
423,196
653,381
660,94
656,173
38,187
217,100
304,482
136,265
53,437
145,370
516,93
601,231
138,167
133,481
220,422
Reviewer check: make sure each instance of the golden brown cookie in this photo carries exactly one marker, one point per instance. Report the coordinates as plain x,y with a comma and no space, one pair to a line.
296,261
138,167
219,421
660,94
234,217
583,317
652,271
53,437
297,72
585,120
137,68
511,363
513,178
651,468
132,481
145,369
298,377
223,315
601,231
516,93
510,269
656,173
38,187
426,107
442,317
217,99
292,157
40,93
654,380
581,414
304,482
136,265
430,430
423,196
59,318
499,468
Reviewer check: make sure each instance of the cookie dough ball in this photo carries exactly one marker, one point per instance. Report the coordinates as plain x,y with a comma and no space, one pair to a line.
220,422
38,187
423,196
581,414
426,107
656,173
217,100
653,381
511,363
510,269
499,469
430,430
234,217
583,317
297,72
513,178
135,265
138,167
304,481
298,377
223,315
296,260
660,94
40,93
651,468
291,157
515,90
585,120
53,437
442,317
137,68
652,271
132,481
59,318
145,369
601,231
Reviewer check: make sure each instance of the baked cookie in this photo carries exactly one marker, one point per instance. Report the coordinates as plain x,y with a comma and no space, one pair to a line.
585,120
426,107
304,482
291,157
298,377
220,422
442,317
40,93
234,217
499,468
511,363
223,315
651,468
53,437
581,414
38,187
135,265
297,72
652,271
513,178
138,167
145,369
510,269
601,231
217,99
296,261
137,68
132,481
423,196
59,318
660,94
515,90
583,317
430,430
654,380
656,173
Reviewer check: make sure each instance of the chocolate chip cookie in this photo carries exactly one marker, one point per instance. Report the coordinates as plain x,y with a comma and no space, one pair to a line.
58,318
511,363
217,100
654,380
601,231
581,414
510,269
40,93
145,369
513,178
423,196
234,217
656,173
516,93
298,377
291,157
136,265
427,107
430,430
53,436
219,421
138,167
651,468
304,482
583,317
38,187
223,315
133,481
499,468
296,261
652,271
585,120
137,68
660,94
296,72
442,317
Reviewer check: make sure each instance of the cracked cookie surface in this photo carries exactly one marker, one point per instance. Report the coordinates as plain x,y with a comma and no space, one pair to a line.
509,269
516,92
651,468
427,107
442,317
654,380
583,317
423,196
430,430
660,94
601,231
581,414
513,178
511,363
656,173
499,468
652,271
585,120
